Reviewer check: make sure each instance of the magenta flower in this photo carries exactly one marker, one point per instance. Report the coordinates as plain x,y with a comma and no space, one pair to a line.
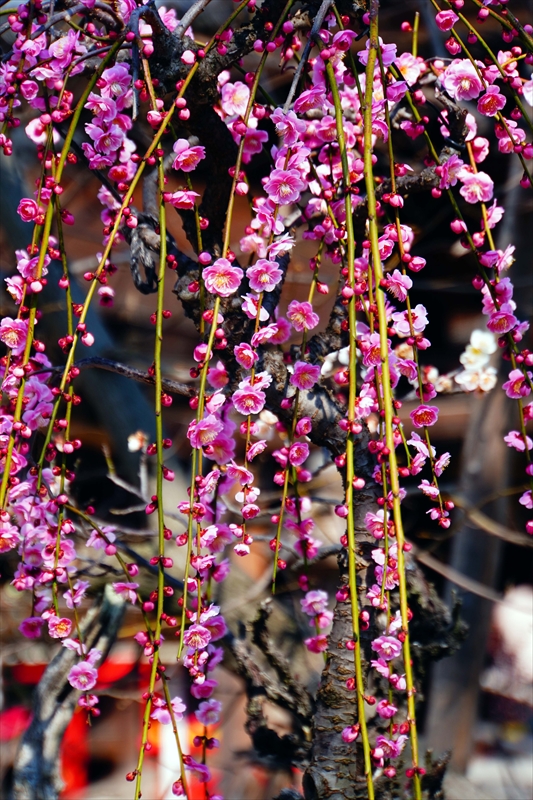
205,432
264,276
235,98
502,321
200,771
424,416
477,187
398,284
106,140
264,334
116,81
527,499
314,602
390,748
446,20
517,386
13,333
387,647
83,676
302,316
59,627
127,591
249,400
205,689
31,627
181,199
27,209
461,80
311,98
250,306
498,259
256,449
221,278
419,321
187,158
491,102
305,375
429,489
516,440
284,186
386,709
245,355
197,637
317,644
449,171
288,125
9,537
388,53
298,453
208,712
350,733
441,463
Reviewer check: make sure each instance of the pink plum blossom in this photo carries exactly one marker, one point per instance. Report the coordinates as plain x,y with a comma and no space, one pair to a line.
288,125
305,375
59,627
441,463
317,644
387,647
461,80
245,355
9,537
302,316
249,400
284,186
478,187
83,676
314,602
419,320
127,591
208,712
446,20
491,102
222,278
264,276
449,171
31,627
13,333
390,748
502,321
386,709
235,98
250,306
187,157
398,284
516,440
517,387
424,416
204,432
197,637
350,733
388,53
181,199
298,453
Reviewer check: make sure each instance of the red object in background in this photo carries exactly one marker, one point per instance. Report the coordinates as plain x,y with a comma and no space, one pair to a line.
75,746
13,722
75,754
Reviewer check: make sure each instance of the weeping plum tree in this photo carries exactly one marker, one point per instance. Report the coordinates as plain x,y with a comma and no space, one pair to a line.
134,95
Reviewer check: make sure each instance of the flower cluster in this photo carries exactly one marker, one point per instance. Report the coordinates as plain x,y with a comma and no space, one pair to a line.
263,379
